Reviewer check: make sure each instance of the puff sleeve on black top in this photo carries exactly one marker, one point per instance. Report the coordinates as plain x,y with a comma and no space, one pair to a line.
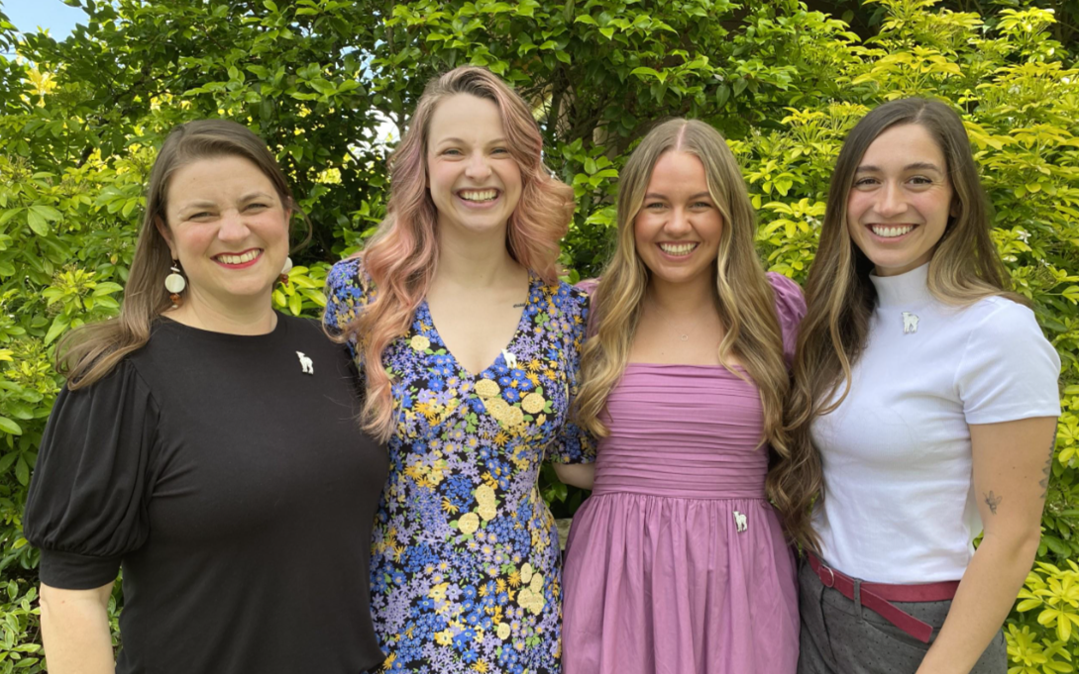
87,503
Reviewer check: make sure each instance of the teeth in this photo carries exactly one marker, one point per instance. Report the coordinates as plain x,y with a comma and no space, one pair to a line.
888,232
478,195
238,259
677,248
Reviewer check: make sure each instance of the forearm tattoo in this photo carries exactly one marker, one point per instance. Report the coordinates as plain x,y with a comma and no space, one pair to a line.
1048,469
992,500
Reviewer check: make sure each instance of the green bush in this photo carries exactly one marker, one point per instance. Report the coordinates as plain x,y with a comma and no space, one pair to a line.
79,121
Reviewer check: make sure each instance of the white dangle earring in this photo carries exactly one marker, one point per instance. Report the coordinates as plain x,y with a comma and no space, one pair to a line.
285,270
175,283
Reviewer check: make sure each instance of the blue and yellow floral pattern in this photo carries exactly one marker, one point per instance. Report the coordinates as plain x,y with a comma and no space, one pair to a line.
465,570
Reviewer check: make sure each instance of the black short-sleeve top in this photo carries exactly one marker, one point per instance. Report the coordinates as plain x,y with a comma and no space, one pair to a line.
228,475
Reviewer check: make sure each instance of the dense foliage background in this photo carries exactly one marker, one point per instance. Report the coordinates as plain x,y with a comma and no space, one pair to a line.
783,80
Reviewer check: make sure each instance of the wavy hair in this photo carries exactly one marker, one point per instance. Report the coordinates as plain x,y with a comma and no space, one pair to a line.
965,267
90,352
402,259
743,295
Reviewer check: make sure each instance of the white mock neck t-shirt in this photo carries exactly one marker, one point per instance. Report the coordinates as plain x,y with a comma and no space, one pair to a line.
899,503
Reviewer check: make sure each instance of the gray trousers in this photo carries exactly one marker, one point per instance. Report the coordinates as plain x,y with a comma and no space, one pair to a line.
840,636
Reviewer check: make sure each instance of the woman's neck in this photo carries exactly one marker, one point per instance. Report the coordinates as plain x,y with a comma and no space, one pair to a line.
478,262
681,299
252,317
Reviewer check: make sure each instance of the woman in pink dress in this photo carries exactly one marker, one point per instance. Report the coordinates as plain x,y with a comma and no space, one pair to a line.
677,563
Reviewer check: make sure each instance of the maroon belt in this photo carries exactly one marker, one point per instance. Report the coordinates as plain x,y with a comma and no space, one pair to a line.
878,597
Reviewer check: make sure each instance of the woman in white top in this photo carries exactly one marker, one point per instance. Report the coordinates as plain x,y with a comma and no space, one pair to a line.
923,409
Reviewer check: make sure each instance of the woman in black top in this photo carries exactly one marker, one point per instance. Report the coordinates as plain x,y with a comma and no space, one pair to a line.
209,446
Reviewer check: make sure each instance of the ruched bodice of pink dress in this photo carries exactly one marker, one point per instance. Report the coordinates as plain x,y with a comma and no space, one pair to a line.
676,563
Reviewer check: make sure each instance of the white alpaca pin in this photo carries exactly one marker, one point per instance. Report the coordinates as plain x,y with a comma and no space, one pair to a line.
510,358
740,521
306,363
910,323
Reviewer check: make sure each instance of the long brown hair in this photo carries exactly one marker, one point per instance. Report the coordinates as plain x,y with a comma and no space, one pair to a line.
744,297
402,259
90,352
965,267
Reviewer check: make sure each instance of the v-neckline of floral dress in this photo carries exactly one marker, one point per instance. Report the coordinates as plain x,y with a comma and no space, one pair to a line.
423,315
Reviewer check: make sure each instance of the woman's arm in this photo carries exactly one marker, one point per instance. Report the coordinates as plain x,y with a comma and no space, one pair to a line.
75,627
576,474
1012,463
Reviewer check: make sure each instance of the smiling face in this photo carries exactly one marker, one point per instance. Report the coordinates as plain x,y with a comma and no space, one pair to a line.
678,229
228,228
898,207
474,181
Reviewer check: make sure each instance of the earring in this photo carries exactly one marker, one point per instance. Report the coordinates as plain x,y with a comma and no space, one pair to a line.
285,269
175,283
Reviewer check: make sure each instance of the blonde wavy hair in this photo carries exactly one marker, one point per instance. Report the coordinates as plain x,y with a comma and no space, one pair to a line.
744,297
402,259
841,298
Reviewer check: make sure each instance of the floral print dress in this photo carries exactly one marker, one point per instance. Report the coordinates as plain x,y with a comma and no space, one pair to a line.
465,570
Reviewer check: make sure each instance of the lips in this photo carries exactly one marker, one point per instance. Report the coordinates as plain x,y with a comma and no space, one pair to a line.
891,231
479,196
678,249
238,260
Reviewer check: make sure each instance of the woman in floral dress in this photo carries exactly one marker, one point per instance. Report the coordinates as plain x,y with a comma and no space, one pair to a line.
459,302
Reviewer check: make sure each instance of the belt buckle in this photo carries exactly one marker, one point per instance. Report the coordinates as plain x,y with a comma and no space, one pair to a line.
831,576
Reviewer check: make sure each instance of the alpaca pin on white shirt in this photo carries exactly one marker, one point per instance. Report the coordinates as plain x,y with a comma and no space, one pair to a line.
910,323
739,521
306,363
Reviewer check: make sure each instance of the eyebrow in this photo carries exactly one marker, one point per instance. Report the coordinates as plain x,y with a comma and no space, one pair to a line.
918,165
459,141
257,194
197,204
698,195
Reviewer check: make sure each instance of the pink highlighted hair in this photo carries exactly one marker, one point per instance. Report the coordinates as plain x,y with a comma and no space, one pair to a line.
402,258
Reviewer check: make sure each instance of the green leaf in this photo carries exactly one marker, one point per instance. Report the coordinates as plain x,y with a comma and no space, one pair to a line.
37,223
59,325
106,288
22,471
10,427
643,71
47,212
315,296
8,215
723,93
1056,545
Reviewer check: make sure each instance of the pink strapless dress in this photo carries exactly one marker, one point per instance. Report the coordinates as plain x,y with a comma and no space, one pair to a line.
677,564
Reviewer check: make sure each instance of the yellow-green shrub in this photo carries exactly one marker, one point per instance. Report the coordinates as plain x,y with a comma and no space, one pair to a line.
316,77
